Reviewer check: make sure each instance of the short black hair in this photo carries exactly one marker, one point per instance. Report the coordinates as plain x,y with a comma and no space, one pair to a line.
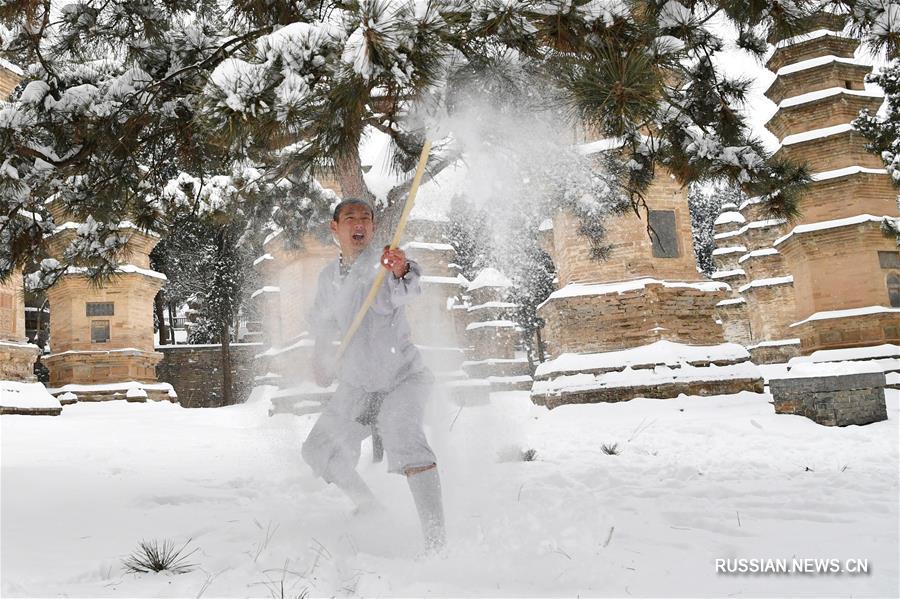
350,202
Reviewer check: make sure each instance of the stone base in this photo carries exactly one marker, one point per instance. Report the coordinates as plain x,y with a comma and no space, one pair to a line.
614,316
73,393
774,352
661,370
832,400
663,391
27,399
17,361
31,411
848,331
100,367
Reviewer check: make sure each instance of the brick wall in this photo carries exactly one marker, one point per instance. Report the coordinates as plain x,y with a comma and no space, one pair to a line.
827,200
195,372
825,112
857,331
836,269
631,253
832,152
8,82
834,74
814,48
771,311
614,321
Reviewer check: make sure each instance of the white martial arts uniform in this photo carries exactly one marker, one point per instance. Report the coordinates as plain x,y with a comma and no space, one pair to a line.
380,364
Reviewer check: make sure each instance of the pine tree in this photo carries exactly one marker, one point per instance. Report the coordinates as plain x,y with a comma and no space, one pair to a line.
126,99
884,133
705,203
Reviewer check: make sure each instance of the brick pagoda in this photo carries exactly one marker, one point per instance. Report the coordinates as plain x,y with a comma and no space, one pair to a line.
645,307
832,278
846,271
102,340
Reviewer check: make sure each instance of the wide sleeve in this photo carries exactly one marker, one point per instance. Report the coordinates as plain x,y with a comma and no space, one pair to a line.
407,287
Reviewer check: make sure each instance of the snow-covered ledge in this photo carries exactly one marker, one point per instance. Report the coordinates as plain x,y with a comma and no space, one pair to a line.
851,313
830,224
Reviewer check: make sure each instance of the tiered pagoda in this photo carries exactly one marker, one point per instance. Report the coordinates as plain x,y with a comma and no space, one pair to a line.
103,343
831,279
846,271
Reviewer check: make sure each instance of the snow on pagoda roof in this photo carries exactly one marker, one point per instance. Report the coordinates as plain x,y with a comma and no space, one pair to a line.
11,67
757,254
847,171
601,145
734,249
825,93
122,268
732,301
727,274
832,314
770,282
818,62
805,37
263,258
750,202
757,224
491,323
816,134
266,289
775,343
489,277
730,217
830,224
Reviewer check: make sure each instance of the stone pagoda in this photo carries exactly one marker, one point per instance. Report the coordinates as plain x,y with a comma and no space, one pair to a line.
102,339
831,279
493,358
640,323
17,356
760,310
846,272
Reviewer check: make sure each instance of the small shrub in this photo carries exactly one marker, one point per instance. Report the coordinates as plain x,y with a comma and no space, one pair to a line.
159,556
611,449
529,455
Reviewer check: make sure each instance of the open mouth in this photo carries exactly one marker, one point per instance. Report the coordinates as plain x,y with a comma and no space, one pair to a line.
358,236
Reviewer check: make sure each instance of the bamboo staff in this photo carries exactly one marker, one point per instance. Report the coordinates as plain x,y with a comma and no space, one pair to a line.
395,241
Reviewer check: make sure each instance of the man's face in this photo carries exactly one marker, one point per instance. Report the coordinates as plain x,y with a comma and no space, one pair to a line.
354,229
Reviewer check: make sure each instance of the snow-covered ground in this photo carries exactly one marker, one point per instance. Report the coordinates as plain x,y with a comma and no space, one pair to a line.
696,479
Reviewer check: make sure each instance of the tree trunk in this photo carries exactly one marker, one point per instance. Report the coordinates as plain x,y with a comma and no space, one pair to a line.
159,304
227,379
540,346
40,342
171,307
348,171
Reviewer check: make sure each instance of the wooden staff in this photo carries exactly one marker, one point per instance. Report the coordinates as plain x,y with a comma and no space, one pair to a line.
398,233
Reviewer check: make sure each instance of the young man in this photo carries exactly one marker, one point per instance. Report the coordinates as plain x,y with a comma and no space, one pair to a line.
381,376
